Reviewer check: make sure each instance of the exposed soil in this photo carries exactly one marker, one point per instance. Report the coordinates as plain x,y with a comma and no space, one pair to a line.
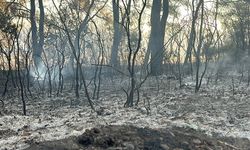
134,138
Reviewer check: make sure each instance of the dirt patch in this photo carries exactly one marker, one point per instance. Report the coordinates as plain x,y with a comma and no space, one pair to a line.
133,138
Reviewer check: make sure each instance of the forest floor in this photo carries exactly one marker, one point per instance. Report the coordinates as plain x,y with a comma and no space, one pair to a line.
217,117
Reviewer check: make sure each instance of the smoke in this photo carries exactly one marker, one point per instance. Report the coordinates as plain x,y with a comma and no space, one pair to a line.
43,73
230,64
38,72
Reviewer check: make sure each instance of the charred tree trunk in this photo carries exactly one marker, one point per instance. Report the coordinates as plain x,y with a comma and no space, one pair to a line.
37,41
156,40
192,35
21,84
133,51
198,52
117,34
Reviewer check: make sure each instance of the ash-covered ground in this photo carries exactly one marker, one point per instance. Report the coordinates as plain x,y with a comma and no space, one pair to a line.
221,109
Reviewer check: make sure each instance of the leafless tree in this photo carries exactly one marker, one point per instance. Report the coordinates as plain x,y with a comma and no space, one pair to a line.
37,38
133,51
157,35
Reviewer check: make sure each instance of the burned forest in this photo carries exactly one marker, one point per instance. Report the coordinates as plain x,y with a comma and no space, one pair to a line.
124,75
